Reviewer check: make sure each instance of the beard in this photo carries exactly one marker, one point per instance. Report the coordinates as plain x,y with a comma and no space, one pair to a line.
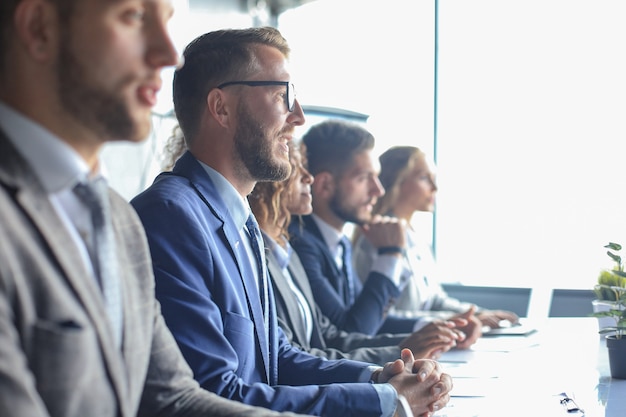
254,149
100,109
347,214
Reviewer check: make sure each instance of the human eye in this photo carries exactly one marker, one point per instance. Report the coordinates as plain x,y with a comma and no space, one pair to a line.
134,15
282,94
365,177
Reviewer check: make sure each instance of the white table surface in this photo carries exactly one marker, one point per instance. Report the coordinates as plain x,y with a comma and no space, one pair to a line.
523,375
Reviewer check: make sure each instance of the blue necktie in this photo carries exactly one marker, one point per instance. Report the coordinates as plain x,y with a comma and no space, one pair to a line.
95,195
347,269
255,240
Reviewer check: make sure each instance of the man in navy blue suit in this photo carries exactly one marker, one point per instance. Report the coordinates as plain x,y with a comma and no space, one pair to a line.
237,110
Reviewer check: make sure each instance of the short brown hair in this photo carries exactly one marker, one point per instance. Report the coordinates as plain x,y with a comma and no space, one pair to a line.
214,58
331,145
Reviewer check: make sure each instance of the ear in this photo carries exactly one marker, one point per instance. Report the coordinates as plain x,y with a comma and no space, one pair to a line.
220,107
324,185
37,28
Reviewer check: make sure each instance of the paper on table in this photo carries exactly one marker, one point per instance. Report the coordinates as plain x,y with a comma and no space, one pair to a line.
504,343
475,387
473,354
469,370
462,407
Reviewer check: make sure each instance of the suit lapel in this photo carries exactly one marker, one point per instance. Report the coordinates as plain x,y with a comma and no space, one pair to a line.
311,226
302,281
299,275
338,279
246,274
188,167
291,304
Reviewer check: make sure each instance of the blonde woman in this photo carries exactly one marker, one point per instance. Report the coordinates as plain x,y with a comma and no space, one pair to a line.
408,177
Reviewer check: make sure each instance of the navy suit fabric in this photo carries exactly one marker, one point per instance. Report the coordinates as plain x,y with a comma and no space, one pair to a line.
210,301
368,313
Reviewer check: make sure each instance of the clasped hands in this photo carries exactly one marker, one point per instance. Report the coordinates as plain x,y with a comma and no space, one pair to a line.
385,231
422,382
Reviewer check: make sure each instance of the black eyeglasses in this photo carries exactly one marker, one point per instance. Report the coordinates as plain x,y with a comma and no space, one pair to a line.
290,100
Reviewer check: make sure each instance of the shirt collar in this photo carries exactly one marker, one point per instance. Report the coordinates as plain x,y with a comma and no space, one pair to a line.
56,164
281,254
331,236
238,207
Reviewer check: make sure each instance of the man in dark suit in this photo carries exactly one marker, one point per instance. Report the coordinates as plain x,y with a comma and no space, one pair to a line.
79,337
237,110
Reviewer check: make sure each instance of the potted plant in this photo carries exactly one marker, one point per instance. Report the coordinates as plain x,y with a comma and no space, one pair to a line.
607,290
611,288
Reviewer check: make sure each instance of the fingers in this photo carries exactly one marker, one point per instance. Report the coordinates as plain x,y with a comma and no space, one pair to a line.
472,331
444,329
441,392
440,403
490,321
423,347
425,369
458,321
507,315
432,340
390,369
407,357
385,231
437,350
426,388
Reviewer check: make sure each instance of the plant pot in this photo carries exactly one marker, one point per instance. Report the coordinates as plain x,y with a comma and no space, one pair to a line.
603,305
617,356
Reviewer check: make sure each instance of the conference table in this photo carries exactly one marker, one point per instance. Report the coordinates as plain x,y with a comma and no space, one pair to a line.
562,365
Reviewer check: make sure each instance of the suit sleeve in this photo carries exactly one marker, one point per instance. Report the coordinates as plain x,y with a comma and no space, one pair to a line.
171,390
369,311
195,292
378,349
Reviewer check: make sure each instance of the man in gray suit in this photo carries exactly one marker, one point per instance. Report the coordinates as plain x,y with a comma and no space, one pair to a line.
75,74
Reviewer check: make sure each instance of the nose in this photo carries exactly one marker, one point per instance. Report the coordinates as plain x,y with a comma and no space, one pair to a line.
296,117
161,50
377,188
307,178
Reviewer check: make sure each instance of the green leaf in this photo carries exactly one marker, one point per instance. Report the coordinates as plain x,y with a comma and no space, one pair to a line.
616,258
613,246
620,273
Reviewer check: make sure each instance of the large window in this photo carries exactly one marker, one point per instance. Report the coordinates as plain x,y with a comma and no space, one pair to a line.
531,121
368,56
531,140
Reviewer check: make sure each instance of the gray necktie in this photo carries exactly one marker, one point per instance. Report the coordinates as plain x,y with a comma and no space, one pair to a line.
95,195
347,269
256,239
